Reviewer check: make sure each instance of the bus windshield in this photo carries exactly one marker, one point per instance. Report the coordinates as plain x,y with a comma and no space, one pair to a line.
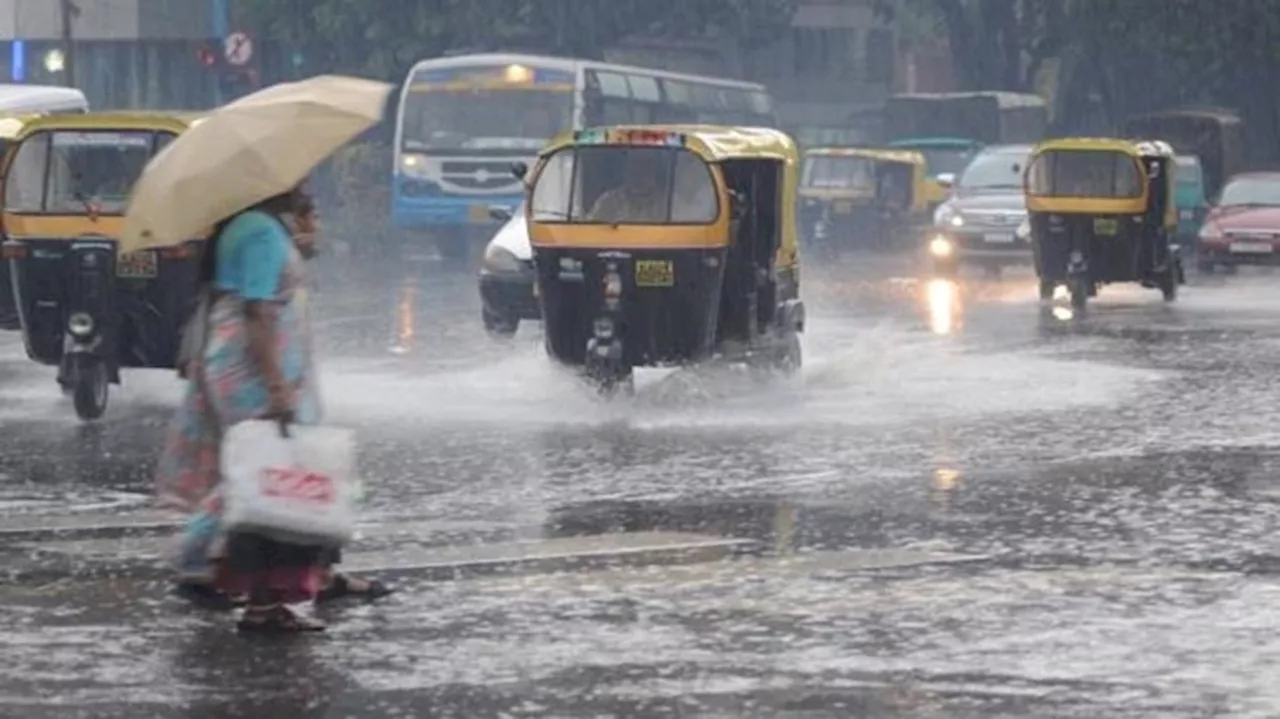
73,172
619,184
835,172
481,119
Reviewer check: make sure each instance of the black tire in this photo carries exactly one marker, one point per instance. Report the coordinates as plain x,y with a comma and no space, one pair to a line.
498,326
1169,285
1080,289
1046,290
90,392
791,356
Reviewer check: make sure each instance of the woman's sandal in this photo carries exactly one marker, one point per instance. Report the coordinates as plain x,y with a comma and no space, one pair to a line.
277,620
340,588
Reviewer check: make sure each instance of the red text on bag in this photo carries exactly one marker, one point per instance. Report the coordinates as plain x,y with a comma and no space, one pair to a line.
297,484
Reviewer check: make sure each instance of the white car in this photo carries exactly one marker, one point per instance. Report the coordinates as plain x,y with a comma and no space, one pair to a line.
507,287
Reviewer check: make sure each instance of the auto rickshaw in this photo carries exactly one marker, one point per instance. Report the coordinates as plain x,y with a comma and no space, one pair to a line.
9,128
660,245
871,197
1101,211
81,307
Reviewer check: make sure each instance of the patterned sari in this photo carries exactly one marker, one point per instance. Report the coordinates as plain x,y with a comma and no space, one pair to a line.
224,387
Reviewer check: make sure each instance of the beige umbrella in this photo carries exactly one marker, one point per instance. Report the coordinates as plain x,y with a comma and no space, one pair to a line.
257,147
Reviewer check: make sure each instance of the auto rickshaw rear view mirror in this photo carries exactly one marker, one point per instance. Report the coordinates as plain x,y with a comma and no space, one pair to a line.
519,170
946,179
501,213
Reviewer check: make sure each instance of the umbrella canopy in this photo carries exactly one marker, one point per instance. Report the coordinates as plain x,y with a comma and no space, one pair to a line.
257,147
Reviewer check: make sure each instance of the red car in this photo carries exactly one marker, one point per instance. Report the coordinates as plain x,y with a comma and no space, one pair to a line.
1243,226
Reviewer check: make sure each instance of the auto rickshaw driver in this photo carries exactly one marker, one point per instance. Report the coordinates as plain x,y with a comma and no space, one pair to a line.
641,197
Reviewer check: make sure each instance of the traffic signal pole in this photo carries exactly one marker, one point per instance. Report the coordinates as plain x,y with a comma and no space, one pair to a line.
69,11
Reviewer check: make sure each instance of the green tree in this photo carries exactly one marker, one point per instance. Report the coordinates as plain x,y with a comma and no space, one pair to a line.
382,38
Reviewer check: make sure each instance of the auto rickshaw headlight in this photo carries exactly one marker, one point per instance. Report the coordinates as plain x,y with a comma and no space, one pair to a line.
941,247
497,259
80,324
1024,230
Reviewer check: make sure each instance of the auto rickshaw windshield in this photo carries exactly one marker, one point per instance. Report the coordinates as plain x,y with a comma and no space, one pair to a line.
1084,173
619,184
839,172
73,172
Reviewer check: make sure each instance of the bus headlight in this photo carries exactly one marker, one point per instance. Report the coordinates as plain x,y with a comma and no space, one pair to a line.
941,247
414,166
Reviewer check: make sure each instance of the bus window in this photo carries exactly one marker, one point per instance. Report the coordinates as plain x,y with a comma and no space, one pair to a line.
760,103
706,97
735,100
644,89
677,93
612,85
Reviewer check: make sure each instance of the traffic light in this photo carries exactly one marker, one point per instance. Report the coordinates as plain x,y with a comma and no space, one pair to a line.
209,54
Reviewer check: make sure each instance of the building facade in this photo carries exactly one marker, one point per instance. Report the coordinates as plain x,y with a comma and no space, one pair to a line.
829,73
123,53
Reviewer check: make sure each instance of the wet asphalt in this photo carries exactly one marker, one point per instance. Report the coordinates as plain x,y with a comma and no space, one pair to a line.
969,505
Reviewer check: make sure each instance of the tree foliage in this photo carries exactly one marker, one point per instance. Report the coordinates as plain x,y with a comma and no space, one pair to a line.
382,38
1118,57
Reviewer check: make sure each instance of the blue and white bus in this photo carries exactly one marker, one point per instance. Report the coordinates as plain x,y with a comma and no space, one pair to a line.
462,121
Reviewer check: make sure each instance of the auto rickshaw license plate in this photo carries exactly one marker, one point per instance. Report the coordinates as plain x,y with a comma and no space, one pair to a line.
137,265
1105,226
655,273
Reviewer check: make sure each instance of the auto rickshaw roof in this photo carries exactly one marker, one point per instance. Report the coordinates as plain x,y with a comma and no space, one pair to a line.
124,120
11,125
904,157
1133,148
713,143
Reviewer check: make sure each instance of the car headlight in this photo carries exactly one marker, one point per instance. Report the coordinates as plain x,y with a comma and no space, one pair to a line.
80,324
947,216
941,247
1210,232
497,259
414,166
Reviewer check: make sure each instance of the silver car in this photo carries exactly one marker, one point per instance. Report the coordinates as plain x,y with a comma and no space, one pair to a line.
984,221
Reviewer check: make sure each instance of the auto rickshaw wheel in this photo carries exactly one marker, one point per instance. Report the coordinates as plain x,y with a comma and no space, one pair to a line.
1168,284
1080,289
499,327
90,390
1047,288
790,356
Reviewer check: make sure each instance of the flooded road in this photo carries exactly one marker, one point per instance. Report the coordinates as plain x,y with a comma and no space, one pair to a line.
967,506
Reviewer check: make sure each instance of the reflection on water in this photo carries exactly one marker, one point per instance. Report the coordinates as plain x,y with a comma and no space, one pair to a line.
944,487
945,306
402,343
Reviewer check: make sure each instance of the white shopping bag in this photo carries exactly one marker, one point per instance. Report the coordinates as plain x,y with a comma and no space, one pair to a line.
298,489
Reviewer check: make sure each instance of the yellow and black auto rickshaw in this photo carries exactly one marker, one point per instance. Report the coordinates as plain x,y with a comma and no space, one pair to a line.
666,245
1103,211
10,126
861,197
82,307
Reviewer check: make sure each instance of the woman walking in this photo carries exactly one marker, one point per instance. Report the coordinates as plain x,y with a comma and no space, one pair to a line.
255,362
